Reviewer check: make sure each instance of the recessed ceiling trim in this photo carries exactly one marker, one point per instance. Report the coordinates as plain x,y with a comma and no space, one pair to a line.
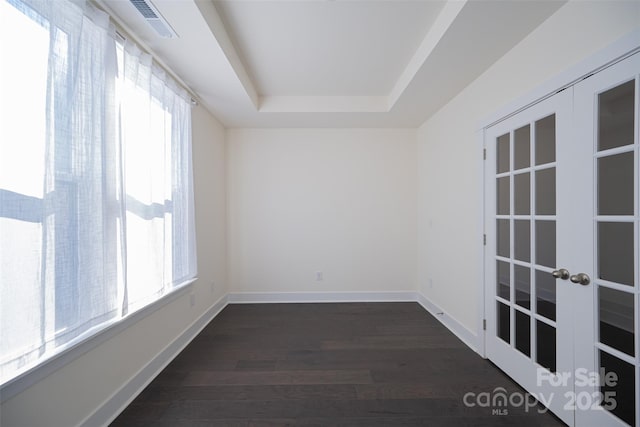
331,104
324,104
443,22
216,25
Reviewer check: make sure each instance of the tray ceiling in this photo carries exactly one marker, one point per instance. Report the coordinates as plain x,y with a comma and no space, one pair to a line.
332,63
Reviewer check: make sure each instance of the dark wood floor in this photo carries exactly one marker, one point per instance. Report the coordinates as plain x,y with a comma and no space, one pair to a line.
352,364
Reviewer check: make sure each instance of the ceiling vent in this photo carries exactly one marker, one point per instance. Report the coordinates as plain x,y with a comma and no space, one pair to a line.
154,18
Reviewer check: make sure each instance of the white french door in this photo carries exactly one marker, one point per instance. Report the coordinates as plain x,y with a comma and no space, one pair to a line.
529,318
562,279
606,117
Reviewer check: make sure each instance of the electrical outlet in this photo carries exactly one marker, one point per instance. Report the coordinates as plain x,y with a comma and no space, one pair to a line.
319,276
192,300
430,283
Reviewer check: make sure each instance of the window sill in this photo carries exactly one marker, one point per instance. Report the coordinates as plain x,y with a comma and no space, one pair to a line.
85,344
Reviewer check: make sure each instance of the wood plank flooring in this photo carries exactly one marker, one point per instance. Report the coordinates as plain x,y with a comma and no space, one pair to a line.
348,364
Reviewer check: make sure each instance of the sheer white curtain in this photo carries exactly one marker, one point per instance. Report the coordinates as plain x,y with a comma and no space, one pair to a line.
155,123
96,199
69,163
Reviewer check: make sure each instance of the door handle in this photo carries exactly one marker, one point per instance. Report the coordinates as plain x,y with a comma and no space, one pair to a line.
562,273
581,278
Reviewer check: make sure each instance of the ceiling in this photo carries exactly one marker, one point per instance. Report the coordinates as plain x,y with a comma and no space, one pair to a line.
331,63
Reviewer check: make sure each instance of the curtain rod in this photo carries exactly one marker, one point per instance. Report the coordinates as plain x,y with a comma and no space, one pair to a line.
124,33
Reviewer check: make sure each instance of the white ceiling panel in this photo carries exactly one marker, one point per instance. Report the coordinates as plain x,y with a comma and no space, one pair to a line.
327,48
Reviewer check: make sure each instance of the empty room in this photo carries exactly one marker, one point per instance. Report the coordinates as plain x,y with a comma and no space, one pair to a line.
319,213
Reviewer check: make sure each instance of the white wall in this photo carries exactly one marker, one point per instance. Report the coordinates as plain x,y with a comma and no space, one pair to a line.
340,201
450,188
74,392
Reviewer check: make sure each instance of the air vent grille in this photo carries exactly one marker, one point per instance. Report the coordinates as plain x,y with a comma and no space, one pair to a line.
144,9
154,18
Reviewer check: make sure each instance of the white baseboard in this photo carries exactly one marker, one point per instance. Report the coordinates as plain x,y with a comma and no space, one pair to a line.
466,336
310,297
118,401
469,338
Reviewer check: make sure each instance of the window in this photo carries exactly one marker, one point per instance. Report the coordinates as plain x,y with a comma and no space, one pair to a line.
96,199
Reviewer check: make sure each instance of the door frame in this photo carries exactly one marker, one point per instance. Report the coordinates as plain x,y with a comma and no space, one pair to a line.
619,50
612,54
